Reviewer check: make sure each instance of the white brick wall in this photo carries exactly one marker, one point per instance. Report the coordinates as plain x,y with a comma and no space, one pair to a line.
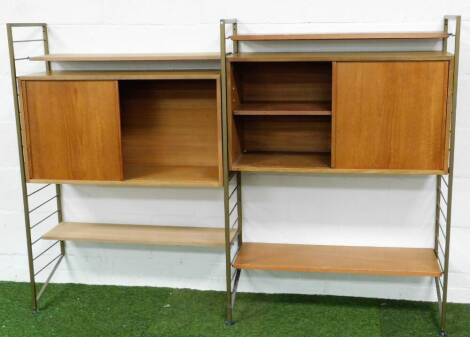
360,210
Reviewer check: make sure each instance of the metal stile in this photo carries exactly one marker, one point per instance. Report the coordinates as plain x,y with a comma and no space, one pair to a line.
53,264
444,185
229,207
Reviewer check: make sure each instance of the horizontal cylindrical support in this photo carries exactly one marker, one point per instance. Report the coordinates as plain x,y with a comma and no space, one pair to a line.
21,58
444,181
44,219
47,265
45,202
27,24
442,231
39,189
32,40
228,21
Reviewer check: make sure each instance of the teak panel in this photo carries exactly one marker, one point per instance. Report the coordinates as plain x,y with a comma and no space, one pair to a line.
284,108
390,115
170,124
139,234
72,130
338,259
283,162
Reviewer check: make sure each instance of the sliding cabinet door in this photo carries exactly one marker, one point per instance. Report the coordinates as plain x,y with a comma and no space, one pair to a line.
72,130
391,115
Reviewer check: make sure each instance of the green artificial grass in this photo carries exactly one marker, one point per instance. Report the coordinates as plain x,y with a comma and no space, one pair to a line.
73,310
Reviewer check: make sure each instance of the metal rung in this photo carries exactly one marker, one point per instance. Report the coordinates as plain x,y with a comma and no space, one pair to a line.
39,189
441,284
442,231
442,212
440,264
443,198
32,40
35,241
45,202
445,182
47,265
233,208
44,219
442,249
46,250
22,58
46,283
234,222
231,193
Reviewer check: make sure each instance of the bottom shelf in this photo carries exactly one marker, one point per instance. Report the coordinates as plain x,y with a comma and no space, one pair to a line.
139,234
283,162
171,175
338,259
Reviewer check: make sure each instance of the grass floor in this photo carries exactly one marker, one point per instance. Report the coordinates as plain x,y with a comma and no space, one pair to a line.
72,310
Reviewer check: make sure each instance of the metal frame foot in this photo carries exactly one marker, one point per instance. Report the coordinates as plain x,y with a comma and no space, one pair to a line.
229,322
443,333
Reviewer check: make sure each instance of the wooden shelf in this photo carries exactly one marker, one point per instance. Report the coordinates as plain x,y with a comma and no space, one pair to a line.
341,36
171,175
282,162
139,234
284,108
341,56
338,259
122,75
126,57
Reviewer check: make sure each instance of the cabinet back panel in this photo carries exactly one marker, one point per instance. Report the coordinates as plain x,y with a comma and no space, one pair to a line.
286,133
390,115
283,81
72,130
170,122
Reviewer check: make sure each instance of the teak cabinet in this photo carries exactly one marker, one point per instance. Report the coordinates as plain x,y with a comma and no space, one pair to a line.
123,128
292,115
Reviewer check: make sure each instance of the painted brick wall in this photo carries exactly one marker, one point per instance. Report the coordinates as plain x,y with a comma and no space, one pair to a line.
356,210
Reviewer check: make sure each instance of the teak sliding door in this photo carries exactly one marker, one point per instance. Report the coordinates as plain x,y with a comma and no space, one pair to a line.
72,130
390,115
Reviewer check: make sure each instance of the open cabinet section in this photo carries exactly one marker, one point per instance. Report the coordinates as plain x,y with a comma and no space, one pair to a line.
162,130
280,116
171,132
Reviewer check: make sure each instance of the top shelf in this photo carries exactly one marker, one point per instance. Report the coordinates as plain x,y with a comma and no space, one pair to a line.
126,57
341,36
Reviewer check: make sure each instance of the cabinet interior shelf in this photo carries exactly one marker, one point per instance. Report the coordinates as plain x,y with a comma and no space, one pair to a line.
282,162
139,234
338,259
284,108
341,36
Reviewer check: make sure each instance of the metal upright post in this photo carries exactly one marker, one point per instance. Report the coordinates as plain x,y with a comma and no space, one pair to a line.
442,286
36,295
24,187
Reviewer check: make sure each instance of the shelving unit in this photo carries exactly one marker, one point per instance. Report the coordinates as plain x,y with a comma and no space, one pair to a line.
343,113
118,128
322,113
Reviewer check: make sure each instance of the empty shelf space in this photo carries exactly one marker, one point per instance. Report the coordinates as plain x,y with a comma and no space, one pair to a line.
338,259
284,108
153,175
282,162
139,234
340,36
126,57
